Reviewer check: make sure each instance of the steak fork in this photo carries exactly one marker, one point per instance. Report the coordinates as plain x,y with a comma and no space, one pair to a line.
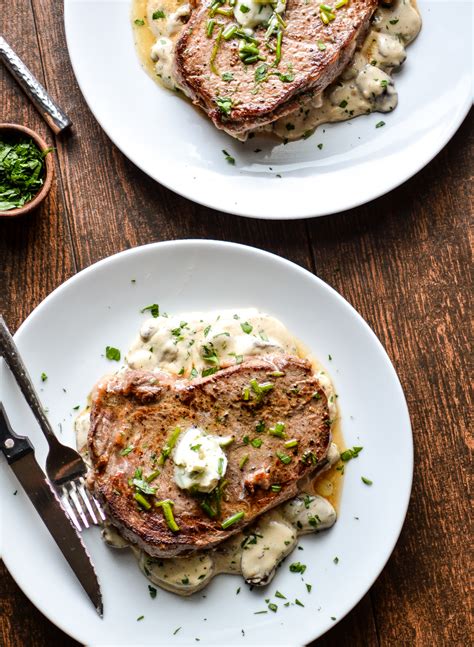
65,467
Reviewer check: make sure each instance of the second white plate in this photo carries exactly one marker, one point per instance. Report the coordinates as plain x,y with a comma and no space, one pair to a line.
178,146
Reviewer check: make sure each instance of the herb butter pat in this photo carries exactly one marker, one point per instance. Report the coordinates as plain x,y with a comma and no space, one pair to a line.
199,460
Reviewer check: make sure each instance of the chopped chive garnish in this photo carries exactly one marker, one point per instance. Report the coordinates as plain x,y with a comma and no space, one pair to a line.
279,41
260,426
309,587
214,52
284,457
246,394
233,519
167,507
151,477
256,613
139,22
336,560
176,631
229,32
225,106
273,607
152,591
170,443
140,617
140,499
277,374
321,45
220,466
291,443
278,430
127,450
280,595
158,14
44,377
380,124
340,3
243,460
366,480
78,406
256,442
275,487
112,353
300,604
210,27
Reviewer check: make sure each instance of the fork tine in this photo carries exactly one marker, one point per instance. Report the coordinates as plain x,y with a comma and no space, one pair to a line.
77,503
99,508
82,491
69,510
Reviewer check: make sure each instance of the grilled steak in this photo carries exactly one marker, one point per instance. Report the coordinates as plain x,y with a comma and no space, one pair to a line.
139,410
313,54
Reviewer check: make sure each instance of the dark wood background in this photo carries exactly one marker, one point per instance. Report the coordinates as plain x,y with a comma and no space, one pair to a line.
403,261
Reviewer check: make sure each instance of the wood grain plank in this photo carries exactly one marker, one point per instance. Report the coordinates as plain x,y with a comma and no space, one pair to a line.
403,262
35,251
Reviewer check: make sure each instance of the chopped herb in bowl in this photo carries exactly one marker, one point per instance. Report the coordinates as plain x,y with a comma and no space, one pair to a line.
23,168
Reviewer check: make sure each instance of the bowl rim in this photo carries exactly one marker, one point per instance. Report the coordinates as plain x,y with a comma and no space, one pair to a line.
48,173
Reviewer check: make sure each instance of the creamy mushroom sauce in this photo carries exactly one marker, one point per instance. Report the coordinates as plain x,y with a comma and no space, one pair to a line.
365,86
182,345
255,553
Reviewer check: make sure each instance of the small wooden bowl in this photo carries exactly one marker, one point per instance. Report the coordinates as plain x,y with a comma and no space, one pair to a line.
17,131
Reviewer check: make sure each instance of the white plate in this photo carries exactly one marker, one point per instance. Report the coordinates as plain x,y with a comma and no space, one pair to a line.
177,146
66,336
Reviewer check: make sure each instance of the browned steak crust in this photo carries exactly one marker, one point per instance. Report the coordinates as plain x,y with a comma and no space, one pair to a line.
316,54
140,409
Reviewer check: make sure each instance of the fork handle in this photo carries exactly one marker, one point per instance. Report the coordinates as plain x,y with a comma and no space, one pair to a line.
12,445
10,352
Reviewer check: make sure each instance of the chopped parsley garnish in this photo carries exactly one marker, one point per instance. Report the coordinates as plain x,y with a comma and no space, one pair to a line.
343,104
229,159
320,146
394,21
194,372
21,172
336,560
366,480
139,21
256,442
227,76
158,14
127,450
260,426
285,78
224,104
246,327
152,591
321,45
261,72
384,83
44,377
380,124
349,454
112,353
209,371
297,567
154,309
244,8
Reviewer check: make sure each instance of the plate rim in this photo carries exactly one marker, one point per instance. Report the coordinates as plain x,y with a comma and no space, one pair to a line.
404,411
462,109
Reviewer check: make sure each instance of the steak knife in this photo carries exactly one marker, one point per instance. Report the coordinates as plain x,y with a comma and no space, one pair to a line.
20,455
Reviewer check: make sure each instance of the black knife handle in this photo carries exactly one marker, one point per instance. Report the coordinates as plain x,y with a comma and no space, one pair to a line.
13,446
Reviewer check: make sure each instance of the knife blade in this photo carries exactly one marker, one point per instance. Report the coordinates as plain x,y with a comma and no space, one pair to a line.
19,453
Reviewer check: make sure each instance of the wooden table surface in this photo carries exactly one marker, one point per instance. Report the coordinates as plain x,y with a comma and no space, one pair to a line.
403,261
